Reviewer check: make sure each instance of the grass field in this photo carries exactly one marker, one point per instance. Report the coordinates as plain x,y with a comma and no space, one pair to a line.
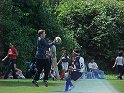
117,84
25,86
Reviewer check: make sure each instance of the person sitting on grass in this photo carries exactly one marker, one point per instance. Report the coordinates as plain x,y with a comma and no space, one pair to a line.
19,73
94,70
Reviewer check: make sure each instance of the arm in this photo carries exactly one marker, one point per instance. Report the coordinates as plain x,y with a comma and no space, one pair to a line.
16,53
9,53
53,49
59,61
123,60
96,67
90,67
48,45
5,57
81,60
115,63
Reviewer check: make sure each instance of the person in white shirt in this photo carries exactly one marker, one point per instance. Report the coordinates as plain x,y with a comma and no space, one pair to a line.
94,70
92,65
119,61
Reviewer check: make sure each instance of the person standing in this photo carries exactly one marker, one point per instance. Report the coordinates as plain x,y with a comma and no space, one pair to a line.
52,50
65,62
41,59
12,56
119,61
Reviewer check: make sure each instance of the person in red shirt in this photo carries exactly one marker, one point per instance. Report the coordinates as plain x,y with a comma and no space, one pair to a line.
12,56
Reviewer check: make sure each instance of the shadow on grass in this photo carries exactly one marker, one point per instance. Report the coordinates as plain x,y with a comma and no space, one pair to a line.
17,82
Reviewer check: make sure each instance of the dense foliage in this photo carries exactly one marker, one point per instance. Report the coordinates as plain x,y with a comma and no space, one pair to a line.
20,20
98,27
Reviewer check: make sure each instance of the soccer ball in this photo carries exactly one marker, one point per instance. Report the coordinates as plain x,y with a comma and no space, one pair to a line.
58,40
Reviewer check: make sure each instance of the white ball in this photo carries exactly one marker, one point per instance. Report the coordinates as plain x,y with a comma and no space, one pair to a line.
58,40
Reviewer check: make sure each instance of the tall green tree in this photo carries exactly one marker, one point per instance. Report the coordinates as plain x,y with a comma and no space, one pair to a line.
98,27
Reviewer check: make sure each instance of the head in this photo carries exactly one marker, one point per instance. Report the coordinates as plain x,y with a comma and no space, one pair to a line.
47,53
64,50
11,45
120,53
42,33
92,60
50,40
76,52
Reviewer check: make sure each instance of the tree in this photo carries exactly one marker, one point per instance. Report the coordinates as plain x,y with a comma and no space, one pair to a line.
20,21
97,25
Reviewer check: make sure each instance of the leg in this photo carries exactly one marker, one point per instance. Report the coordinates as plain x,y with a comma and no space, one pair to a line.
54,61
67,85
13,69
120,71
63,71
46,69
47,66
101,73
39,66
96,74
8,70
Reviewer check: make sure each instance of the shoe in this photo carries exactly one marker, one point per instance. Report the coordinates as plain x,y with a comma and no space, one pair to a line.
71,88
35,83
45,83
54,78
65,91
119,77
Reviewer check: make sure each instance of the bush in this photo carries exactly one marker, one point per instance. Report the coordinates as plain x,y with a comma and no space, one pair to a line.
97,25
20,21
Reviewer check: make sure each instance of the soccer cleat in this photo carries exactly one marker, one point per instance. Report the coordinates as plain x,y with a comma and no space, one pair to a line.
71,88
45,83
65,91
35,83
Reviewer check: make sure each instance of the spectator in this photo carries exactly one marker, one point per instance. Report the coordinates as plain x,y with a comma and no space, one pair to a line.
65,62
19,73
94,70
52,50
119,61
12,56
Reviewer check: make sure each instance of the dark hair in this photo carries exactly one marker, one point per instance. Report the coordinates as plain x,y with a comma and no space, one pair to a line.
63,48
76,50
120,53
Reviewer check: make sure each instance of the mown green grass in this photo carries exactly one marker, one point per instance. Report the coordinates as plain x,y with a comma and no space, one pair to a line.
117,84
25,86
